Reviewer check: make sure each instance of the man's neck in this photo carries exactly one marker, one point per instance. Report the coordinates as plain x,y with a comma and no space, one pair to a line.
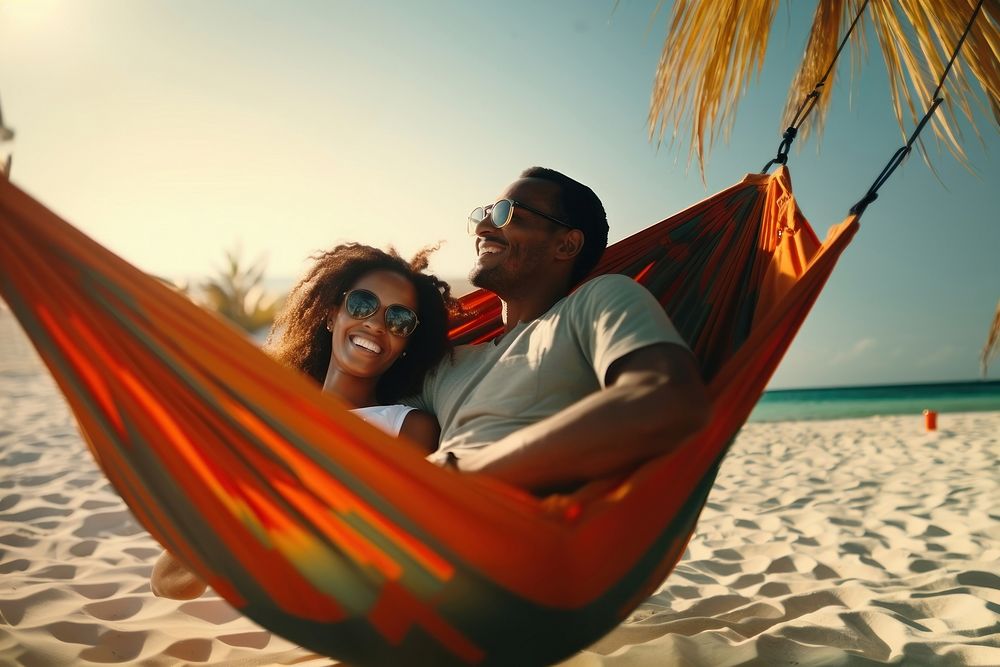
531,306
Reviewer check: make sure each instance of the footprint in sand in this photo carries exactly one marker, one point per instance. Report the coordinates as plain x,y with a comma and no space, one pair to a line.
17,458
56,572
257,640
57,499
212,611
194,650
114,610
16,565
34,514
8,501
116,647
143,553
38,480
84,548
18,541
95,591
15,610
119,522
74,633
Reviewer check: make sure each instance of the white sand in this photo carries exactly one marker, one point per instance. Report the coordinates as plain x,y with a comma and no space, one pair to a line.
854,542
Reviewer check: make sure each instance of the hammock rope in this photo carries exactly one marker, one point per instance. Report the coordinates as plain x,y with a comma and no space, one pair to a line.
903,151
806,107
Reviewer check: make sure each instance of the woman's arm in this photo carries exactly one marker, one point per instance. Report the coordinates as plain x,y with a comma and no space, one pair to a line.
422,429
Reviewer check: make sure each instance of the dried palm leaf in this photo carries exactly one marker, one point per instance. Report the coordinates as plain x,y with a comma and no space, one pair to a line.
715,47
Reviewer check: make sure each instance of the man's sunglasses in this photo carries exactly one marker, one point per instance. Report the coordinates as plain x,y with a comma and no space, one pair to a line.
399,320
501,212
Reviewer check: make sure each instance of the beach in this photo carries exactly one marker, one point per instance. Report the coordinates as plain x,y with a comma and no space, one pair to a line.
848,542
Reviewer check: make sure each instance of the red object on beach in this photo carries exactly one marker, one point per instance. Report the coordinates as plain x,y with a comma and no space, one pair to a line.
930,420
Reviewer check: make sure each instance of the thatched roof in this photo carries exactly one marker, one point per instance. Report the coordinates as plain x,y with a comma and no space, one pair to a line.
714,48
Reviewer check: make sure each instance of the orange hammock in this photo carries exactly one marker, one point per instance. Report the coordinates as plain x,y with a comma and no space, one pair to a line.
325,530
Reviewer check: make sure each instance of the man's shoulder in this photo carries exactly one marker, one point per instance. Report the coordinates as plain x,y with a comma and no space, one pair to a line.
609,288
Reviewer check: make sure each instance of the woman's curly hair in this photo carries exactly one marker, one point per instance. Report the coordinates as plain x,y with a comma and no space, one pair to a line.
299,337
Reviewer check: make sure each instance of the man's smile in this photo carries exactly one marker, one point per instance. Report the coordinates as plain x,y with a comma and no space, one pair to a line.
489,247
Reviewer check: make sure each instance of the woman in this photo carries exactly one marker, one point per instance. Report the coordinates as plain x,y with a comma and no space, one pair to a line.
367,326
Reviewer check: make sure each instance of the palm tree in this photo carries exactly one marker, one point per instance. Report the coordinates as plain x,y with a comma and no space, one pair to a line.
715,47
237,293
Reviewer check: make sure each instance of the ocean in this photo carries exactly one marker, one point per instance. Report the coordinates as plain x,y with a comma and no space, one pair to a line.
868,401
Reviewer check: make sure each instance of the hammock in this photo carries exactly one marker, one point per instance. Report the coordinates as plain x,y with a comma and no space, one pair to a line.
325,530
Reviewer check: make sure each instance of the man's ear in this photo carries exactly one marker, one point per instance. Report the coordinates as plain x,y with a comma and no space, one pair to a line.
570,245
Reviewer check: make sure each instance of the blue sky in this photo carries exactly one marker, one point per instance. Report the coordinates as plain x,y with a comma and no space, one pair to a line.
172,131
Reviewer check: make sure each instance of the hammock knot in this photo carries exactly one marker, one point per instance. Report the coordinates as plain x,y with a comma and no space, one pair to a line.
786,143
860,207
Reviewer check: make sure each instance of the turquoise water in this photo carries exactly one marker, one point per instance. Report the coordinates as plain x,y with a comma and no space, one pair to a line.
846,402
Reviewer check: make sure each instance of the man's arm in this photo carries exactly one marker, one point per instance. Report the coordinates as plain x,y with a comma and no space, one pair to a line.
653,399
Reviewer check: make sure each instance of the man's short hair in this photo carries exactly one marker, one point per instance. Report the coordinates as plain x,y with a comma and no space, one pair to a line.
582,209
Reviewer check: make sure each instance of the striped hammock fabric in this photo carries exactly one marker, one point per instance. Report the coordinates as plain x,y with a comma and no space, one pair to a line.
326,531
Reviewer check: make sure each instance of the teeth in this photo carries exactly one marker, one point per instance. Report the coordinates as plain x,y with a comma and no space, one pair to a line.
367,344
489,249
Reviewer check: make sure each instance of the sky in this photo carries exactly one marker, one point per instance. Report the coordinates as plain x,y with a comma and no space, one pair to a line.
172,132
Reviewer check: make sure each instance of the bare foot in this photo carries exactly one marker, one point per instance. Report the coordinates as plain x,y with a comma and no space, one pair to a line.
170,579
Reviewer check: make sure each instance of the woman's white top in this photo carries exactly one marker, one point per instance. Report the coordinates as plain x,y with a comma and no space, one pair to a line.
389,418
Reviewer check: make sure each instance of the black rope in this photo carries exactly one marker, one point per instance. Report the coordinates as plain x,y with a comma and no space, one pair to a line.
900,155
810,101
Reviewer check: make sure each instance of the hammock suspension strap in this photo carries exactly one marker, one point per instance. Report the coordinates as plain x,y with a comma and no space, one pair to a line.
900,155
810,101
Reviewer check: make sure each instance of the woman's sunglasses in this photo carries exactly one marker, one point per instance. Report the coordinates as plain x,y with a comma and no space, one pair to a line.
399,320
501,212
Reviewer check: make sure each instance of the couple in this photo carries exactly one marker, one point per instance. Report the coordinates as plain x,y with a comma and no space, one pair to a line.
582,384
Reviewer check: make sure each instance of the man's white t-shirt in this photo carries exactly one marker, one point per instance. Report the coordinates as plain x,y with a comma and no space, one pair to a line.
537,369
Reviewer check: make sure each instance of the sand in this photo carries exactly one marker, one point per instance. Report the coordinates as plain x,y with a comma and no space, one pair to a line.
852,542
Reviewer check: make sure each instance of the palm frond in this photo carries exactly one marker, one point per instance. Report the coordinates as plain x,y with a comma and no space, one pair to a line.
237,293
713,49
992,347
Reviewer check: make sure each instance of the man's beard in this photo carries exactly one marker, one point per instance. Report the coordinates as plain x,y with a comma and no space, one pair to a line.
512,278
493,278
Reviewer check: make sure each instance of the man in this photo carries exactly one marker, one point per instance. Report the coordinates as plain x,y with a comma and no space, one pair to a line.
583,383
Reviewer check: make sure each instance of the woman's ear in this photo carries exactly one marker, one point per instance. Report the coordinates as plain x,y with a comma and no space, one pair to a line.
570,245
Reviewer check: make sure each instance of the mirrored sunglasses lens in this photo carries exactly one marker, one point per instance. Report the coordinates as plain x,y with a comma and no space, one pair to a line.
361,304
501,212
400,321
477,216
